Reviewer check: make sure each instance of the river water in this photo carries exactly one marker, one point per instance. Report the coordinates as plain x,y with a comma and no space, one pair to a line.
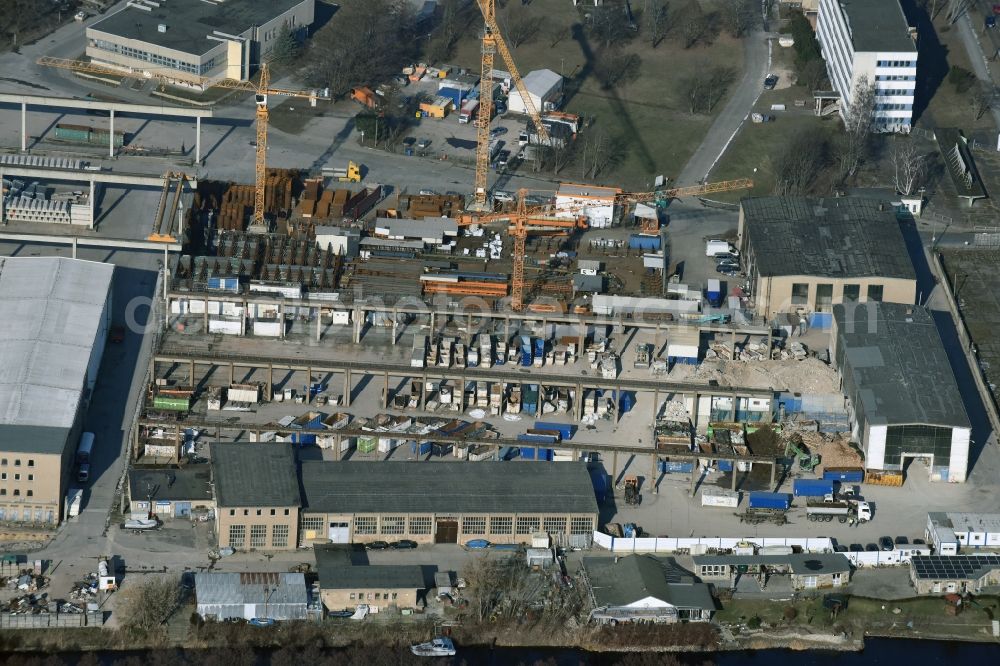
878,651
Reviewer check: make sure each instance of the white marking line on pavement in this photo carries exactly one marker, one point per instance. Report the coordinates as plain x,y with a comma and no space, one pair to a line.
725,147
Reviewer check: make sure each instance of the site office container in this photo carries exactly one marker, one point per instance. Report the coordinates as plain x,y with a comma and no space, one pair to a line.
762,500
723,498
812,487
528,453
674,466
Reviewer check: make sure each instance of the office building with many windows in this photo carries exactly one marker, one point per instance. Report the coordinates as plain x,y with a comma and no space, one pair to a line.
870,39
189,41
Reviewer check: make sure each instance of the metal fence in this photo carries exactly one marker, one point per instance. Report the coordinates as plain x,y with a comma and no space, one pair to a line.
50,620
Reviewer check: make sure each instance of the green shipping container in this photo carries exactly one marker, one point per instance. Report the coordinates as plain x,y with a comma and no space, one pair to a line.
73,133
100,137
367,444
171,403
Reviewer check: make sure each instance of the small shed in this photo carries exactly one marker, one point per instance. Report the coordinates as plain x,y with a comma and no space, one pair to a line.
443,581
545,89
539,557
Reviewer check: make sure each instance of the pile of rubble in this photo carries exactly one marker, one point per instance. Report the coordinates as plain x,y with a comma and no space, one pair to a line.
834,449
84,590
25,582
674,410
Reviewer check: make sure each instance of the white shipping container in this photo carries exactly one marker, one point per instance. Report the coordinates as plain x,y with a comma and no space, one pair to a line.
385,444
267,328
721,498
340,317
682,351
226,326
242,393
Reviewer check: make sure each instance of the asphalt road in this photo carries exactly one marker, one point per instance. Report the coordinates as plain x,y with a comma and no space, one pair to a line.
977,57
756,60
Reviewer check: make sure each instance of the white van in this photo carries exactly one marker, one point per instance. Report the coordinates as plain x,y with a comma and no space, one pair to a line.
714,247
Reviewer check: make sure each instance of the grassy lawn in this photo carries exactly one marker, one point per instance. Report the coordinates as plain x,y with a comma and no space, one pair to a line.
646,117
293,115
922,615
948,107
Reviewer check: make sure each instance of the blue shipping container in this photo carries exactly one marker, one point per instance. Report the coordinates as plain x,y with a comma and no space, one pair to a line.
539,347
528,453
846,476
812,487
641,242
821,320
423,449
538,439
725,465
668,466
761,500
566,430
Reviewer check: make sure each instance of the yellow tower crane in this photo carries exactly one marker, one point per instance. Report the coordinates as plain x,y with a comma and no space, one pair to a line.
261,90
524,220
492,43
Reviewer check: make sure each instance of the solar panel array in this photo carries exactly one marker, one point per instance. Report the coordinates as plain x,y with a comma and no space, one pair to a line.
956,567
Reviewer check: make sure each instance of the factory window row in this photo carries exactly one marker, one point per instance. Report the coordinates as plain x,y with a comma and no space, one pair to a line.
17,477
895,77
896,63
27,514
153,58
714,569
17,462
890,92
17,492
373,596
893,107
260,512
258,536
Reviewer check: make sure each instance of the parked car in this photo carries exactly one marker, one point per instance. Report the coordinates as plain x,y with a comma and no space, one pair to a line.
727,271
734,265
403,544
428,193
871,548
902,541
501,108
726,256
377,545
770,81
856,548
919,542
497,131
840,549
885,543
505,197
423,143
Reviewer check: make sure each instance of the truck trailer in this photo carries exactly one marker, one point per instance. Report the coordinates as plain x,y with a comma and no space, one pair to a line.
823,511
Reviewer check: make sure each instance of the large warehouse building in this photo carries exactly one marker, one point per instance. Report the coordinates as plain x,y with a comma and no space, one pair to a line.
57,312
446,502
192,40
902,395
805,255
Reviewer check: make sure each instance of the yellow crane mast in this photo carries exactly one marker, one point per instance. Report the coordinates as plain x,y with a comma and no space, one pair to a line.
493,43
524,220
261,90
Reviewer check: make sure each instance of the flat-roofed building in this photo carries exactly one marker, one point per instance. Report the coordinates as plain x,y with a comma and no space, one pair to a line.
593,202
803,255
870,39
344,583
903,399
56,317
447,502
193,40
257,495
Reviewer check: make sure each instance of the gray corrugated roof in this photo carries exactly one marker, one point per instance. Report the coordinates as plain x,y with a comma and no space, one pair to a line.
635,577
251,588
800,563
898,365
33,439
878,25
964,172
52,312
541,81
190,21
186,483
448,487
255,475
588,283
846,237
338,572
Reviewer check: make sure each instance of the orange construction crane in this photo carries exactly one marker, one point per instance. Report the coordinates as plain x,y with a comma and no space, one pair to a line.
524,220
491,44
261,90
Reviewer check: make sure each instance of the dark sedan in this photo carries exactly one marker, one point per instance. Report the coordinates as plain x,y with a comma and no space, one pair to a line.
377,545
885,543
403,544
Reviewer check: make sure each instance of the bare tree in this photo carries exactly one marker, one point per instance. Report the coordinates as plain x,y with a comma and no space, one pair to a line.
148,604
704,89
859,124
599,152
981,100
957,9
693,23
909,165
655,22
608,25
738,16
614,67
799,162
556,33
519,25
